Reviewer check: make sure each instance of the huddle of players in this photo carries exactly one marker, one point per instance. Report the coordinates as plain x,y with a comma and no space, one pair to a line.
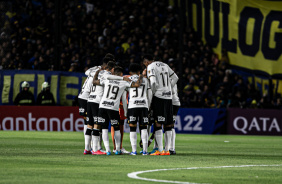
100,98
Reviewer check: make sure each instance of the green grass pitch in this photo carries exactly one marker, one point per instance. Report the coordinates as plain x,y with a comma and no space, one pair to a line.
57,157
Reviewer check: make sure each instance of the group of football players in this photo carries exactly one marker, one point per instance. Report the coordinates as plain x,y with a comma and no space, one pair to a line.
148,98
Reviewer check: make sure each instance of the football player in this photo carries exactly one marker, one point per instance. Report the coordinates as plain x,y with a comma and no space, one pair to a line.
162,79
109,106
139,103
93,105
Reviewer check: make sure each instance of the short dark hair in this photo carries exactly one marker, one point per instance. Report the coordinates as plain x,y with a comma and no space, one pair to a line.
118,70
134,67
107,59
110,65
148,57
109,55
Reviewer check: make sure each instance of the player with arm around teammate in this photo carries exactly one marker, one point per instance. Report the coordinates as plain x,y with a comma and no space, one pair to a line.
162,79
139,103
93,105
83,99
109,106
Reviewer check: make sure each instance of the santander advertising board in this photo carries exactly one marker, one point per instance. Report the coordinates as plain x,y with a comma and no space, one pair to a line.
35,118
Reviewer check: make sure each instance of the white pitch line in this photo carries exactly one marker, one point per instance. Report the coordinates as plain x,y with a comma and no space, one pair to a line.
134,174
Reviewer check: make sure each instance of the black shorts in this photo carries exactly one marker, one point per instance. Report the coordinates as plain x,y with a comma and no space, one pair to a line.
92,113
162,111
151,117
138,115
106,115
82,107
175,111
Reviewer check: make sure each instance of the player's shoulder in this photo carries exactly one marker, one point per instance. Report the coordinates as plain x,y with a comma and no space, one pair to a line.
134,77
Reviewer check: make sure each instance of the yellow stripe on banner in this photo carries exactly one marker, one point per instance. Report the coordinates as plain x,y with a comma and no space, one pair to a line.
40,80
6,88
54,86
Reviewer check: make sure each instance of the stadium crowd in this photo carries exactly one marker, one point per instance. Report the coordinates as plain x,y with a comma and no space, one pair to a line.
127,29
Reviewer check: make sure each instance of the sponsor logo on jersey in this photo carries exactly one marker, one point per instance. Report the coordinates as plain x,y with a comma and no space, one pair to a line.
140,102
166,93
114,122
160,64
81,110
105,103
145,120
132,118
114,82
174,118
95,118
92,96
161,118
101,120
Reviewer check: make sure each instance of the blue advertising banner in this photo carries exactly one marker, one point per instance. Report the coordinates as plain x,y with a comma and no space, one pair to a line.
201,121
64,85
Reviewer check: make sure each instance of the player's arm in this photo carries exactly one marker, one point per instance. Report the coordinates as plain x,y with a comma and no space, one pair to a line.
89,71
138,82
150,96
152,78
124,103
115,77
153,83
173,77
96,81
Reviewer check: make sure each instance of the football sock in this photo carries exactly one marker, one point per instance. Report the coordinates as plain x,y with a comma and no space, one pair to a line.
133,140
172,145
84,129
168,135
117,139
87,139
95,140
159,139
99,140
144,137
105,138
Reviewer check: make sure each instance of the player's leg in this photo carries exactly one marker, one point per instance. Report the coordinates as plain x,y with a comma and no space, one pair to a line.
115,120
88,132
156,147
96,131
159,115
172,146
113,138
143,122
133,134
121,126
133,138
158,138
167,135
103,120
168,125
83,112
149,127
